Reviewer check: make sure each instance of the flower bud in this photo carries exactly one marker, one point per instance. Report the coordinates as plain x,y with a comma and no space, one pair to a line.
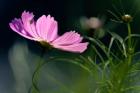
127,18
94,23
130,50
91,23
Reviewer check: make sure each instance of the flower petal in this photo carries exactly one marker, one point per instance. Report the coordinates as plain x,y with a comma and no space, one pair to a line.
29,24
17,26
76,48
68,38
47,28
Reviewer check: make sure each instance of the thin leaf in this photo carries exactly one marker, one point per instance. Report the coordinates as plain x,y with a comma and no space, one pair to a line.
132,88
113,14
94,64
99,44
132,35
110,44
100,56
120,39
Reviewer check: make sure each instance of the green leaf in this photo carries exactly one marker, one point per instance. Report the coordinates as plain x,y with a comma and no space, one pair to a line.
132,88
120,39
97,52
99,44
110,45
132,36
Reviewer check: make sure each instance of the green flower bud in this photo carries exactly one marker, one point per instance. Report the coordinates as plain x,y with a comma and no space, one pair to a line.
127,18
130,50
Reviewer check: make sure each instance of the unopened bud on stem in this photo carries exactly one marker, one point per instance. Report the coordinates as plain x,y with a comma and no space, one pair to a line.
127,18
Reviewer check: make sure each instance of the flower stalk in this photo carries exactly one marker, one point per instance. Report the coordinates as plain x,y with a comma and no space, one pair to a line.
129,35
35,77
130,48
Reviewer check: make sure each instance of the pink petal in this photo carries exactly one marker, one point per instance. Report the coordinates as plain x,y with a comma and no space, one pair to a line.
76,48
29,24
68,38
17,26
47,28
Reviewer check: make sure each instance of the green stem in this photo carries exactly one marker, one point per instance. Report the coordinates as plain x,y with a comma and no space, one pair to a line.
129,35
130,49
127,62
35,78
124,67
34,87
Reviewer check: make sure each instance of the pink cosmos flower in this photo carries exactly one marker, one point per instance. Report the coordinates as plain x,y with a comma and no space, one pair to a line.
45,29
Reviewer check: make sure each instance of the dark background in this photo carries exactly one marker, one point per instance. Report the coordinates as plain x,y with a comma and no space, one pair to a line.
64,11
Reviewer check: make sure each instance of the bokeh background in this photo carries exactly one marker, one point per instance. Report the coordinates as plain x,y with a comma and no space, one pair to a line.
17,54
